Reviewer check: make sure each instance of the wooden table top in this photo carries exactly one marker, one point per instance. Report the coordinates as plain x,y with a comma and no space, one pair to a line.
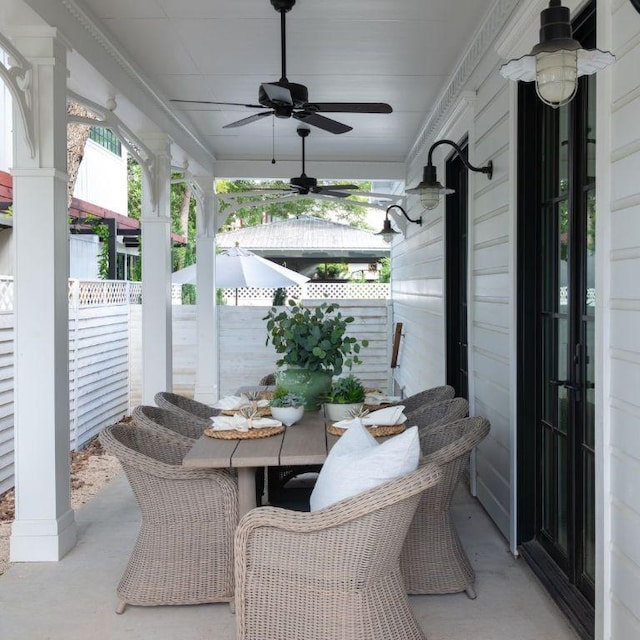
305,442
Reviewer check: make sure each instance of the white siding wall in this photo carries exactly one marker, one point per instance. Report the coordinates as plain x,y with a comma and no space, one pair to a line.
102,178
621,352
419,281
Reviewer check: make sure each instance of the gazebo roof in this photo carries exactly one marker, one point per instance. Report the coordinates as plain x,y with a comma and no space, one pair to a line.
307,237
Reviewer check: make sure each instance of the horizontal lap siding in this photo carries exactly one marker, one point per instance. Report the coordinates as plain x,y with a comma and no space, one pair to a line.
6,401
418,291
623,357
98,377
99,369
244,357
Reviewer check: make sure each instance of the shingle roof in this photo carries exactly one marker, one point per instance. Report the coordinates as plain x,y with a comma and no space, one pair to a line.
306,236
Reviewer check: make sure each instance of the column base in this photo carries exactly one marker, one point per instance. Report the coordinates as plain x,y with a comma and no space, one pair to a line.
42,540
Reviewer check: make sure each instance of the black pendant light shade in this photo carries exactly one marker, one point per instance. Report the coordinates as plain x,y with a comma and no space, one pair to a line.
558,60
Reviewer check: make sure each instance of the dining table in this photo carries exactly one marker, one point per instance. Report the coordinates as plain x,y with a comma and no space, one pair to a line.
303,443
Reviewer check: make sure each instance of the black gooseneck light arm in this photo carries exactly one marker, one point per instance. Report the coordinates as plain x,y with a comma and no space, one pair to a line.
404,213
488,168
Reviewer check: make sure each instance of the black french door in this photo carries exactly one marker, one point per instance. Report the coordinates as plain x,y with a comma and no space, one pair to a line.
556,387
456,248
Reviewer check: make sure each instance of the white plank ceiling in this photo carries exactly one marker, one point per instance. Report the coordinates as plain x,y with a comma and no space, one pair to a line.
401,52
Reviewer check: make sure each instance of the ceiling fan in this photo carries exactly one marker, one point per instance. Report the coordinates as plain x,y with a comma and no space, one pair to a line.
285,99
304,184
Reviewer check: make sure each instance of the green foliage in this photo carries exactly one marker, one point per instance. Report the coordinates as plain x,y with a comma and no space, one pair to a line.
347,390
313,339
279,297
102,231
134,189
344,210
385,270
332,271
282,398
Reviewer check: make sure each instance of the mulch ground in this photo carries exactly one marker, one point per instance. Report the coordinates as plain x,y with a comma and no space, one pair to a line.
79,460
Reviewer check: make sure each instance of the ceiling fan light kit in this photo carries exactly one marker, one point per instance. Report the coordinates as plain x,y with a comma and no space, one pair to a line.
430,189
284,99
558,60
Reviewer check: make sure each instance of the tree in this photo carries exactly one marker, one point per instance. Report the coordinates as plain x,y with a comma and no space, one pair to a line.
77,135
337,209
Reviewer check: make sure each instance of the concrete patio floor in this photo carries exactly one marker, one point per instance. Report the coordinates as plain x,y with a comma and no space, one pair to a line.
74,599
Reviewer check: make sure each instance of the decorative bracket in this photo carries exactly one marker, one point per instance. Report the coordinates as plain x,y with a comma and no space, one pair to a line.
105,117
18,76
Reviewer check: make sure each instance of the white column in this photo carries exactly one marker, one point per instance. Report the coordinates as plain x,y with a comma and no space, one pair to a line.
44,528
157,365
207,365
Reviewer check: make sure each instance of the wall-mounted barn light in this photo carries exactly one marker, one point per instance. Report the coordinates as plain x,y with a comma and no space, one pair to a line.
388,231
430,189
558,60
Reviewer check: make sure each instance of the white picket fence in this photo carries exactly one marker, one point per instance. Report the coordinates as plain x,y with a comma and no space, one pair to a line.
105,360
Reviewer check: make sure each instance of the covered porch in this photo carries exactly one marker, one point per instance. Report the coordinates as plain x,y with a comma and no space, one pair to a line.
563,404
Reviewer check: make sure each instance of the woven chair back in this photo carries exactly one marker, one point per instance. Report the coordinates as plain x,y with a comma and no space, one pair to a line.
428,396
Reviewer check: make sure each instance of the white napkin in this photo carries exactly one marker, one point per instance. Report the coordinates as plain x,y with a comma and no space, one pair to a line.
238,423
232,403
379,418
380,398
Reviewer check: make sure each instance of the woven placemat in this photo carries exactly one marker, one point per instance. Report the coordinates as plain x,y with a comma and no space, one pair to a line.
375,407
263,412
378,432
252,434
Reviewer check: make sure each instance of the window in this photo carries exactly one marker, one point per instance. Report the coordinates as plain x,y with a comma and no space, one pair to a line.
107,139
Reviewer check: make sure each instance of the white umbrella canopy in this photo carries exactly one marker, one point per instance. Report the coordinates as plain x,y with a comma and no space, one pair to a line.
238,267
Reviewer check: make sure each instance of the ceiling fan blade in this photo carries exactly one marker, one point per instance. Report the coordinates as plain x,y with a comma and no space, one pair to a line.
331,192
249,120
340,187
349,107
332,126
278,94
230,104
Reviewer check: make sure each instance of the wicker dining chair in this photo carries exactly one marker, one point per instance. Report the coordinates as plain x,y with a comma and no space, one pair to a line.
184,550
332,573
184,406
428,396
189,428
433,559
268,380
437,413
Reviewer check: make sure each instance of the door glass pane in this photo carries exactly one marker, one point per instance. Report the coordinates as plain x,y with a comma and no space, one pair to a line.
591,128
562,498
548,483
563,150
589,321
589,518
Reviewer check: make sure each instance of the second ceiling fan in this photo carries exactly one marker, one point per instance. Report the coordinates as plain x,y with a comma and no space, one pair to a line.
285,99
304,184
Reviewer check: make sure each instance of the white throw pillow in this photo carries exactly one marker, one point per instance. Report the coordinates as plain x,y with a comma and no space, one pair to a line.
357,462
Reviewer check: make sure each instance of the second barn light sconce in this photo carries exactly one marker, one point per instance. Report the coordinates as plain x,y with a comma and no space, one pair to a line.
430,189
558,60
388,231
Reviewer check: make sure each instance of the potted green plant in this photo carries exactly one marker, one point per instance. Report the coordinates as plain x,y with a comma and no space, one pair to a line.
345,398
286,407
313,345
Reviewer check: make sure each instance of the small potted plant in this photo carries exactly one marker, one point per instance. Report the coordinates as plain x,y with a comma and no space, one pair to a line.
286,407
345,398
314,346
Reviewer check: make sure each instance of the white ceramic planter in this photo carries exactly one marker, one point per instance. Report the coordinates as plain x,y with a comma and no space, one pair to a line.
287,415
337,412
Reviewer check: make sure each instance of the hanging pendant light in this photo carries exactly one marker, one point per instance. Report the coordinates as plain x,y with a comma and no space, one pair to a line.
558,60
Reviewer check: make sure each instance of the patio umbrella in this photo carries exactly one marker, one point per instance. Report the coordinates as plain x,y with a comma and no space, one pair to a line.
236,268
